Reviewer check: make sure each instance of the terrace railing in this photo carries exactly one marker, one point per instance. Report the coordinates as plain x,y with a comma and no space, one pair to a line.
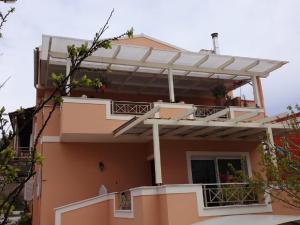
132,108
23,152
206,110
229,194
140,108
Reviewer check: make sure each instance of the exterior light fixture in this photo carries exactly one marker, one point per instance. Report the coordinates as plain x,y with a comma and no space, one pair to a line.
101,166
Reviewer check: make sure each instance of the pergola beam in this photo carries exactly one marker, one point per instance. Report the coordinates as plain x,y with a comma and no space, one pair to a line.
202,131
243,117
272,118
177,131
172,122
215,115
97,59
225,132
137,121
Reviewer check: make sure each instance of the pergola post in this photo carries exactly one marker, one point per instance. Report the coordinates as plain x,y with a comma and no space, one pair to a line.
270,136
272,145
256,91
68,68
157,161
171,85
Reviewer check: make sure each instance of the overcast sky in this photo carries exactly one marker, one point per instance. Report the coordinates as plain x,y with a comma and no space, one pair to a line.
254,28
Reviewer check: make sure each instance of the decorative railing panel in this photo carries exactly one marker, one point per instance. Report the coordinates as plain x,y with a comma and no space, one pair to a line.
205,110
124,200
229,194
132,108
23,152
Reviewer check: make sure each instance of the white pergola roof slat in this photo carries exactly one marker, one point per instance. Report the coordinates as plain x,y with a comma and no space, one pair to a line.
185,63
210,126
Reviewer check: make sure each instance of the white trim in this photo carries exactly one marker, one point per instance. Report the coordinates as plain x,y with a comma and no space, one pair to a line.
50,139
166,105
190,154
203,211
77,205
245,109
162,190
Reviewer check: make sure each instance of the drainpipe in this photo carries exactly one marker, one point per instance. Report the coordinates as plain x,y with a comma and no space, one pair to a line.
215,43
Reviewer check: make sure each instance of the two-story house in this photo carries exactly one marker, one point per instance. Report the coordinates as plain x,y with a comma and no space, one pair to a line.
155,146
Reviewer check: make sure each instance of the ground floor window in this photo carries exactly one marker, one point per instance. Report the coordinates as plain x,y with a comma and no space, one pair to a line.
216,168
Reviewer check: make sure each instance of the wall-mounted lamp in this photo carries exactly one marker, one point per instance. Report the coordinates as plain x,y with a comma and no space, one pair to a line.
101,166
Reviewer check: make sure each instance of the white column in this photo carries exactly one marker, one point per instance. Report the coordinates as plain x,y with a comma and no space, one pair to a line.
68,68
270,136
256,91
171,85
272,145
156,146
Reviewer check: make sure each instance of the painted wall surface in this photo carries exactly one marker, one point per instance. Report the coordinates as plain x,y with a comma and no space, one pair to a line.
71,172
96,214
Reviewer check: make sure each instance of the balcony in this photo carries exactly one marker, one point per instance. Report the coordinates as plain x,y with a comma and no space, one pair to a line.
103,116
140,108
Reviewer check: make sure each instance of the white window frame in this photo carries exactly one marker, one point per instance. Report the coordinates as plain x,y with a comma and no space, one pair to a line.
215,155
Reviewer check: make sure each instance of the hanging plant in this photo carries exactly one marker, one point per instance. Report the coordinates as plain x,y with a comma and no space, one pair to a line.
219,91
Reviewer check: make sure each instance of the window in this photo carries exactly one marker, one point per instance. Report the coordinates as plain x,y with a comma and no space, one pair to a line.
217,168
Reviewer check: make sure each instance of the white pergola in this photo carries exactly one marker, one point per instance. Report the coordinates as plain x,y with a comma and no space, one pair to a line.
211,127
147,60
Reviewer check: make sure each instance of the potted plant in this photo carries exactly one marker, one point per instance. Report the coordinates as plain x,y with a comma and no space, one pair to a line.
219,92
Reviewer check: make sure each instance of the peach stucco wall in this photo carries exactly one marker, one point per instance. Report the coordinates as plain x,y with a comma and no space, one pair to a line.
142,41
96,214
70,172
86,119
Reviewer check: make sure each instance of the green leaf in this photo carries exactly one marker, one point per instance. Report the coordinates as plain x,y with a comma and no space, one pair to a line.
130,32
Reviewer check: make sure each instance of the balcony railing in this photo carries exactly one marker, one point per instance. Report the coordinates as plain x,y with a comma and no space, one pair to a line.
23,152
215,195
205,110
132,108
123,200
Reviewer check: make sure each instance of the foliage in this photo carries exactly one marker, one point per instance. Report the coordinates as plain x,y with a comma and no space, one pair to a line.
25,219
219,91
279,173
3,18
63,84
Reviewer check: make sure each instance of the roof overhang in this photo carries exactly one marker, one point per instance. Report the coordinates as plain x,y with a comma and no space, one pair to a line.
149,60
138,69
213,127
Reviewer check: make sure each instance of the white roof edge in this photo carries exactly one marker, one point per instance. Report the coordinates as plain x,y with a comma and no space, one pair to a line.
179,49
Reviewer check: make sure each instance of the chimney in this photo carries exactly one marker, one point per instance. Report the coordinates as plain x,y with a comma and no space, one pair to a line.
215,43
